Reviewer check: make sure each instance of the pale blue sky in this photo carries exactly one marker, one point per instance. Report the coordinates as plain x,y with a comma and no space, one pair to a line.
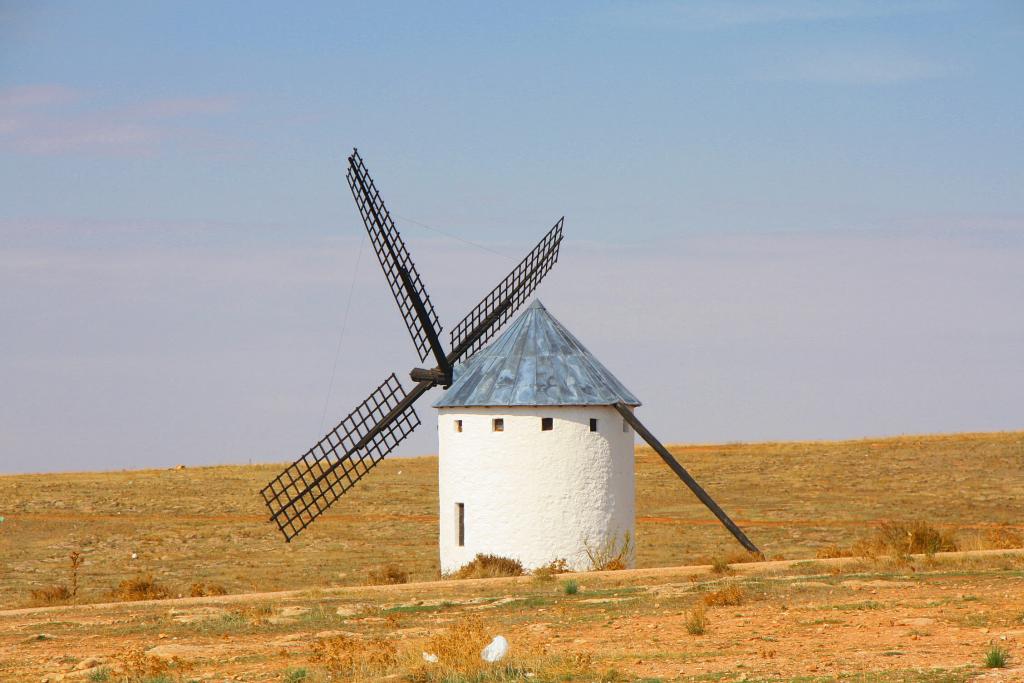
783,219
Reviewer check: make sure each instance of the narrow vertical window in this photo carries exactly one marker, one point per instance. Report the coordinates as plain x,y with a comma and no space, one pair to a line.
498,424
547,424
625,426
460,523
593,424
458,425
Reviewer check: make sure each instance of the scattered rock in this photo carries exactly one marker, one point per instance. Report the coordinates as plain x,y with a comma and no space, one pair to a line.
197,614
335,634
352,610
916,621
175,650
89,663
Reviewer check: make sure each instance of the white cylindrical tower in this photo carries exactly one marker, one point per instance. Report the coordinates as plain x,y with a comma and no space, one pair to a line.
534,463
545,483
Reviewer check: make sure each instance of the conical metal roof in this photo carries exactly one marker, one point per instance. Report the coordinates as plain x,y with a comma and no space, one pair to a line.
536,362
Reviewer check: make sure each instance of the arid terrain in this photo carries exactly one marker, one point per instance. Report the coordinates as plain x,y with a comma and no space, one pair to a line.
302,611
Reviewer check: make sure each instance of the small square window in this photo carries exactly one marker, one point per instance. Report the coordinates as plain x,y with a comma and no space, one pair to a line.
498,424
458,425
593,424
547,424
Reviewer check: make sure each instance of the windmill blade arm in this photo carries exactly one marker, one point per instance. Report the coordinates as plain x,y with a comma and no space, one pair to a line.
479,326
681,472
406,286
310,485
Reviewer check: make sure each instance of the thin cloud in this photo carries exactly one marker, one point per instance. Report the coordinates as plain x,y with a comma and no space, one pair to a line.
721,15
855,68
46,119
40,95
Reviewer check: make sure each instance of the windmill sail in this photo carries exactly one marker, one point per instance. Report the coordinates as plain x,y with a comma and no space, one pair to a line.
310,485
406,286
307,487
486,319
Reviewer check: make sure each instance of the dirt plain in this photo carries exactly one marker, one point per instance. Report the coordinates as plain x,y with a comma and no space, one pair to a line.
300,612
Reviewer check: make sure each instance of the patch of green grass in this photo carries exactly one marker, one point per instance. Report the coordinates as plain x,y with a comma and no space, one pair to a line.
996,657
697,621
100,675
295,675
866,604
570,587
414,609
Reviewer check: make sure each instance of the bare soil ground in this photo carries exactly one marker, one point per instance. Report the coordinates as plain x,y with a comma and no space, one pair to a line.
919,619
888,619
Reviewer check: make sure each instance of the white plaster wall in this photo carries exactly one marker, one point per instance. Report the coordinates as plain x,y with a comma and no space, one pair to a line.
532,495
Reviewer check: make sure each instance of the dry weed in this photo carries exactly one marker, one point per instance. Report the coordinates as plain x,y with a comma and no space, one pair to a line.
387,575
489,566
899,539
831,552
342,655
201,590
140,588
697,620
50,595
743,557
613,554
548,571
59,593
1001,537
458,648
75,561
733,594
720,565
136,665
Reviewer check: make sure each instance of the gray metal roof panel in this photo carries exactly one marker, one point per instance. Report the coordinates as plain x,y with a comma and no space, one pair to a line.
536,362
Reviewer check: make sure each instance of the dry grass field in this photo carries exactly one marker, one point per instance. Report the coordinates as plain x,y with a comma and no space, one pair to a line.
170,533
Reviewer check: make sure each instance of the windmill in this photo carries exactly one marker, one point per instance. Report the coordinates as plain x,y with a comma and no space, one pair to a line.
310,485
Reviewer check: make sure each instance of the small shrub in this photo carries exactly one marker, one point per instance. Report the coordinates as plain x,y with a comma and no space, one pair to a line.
489,566
697,620
731,595
136,665
831,552
342,655
50,595
457,649
570,587
295,675
100,675
743,556
140,588
200,590
388,575
900,539
548,571
613,555
1001,538
719,565
996,657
